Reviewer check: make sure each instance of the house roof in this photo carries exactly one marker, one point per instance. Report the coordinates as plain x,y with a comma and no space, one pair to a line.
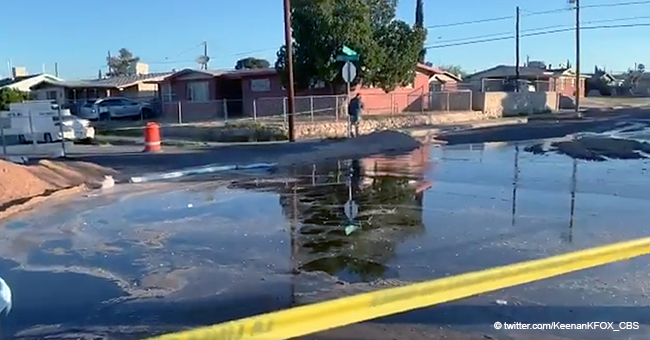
128,80
9,81
212,73
524,71
231,74
432,70
106,83
16,81
238,74
234,74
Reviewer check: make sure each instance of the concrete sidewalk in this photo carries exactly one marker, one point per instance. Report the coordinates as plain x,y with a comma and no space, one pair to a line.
432,130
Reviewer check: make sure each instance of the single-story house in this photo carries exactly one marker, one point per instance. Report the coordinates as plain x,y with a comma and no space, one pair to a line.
22,81
210,94
414,97
561,80
142,86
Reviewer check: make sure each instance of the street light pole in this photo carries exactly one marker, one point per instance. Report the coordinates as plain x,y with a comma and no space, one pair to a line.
289,50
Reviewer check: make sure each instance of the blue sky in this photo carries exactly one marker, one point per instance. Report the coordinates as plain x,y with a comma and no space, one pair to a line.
167,33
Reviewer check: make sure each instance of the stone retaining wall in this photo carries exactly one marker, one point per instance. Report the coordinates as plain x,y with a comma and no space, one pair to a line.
340,128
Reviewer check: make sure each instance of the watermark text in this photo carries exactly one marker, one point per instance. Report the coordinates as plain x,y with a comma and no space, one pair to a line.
611,326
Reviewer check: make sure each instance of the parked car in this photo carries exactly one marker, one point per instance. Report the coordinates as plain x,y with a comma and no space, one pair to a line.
114,108
75,128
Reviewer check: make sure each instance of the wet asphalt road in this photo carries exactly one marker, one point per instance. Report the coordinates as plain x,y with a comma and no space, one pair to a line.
161,257
593,121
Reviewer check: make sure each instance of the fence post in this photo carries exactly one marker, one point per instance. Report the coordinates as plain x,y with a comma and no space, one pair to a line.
58,110
254,109
447,101
2,134
422,101
392,103
336,108
180,113
284,110
31,129
471,102
224,102
311,105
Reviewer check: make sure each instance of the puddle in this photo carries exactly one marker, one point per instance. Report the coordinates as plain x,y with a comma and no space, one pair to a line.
200,253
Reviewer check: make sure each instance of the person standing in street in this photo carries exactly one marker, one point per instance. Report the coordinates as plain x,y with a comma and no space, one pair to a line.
354,111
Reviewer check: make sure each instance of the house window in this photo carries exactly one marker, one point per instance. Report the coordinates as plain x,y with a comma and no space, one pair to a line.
51,95
197,91
167,92
260,85
435,86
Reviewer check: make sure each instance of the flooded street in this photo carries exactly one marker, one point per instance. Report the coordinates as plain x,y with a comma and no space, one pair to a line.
145,259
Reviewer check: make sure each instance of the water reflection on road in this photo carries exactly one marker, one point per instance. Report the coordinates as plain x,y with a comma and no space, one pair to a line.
154,259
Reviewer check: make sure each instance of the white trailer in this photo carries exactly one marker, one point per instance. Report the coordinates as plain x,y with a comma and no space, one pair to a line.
39,121
32,126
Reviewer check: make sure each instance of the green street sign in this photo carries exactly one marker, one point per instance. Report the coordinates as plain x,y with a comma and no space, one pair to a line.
347,58
349,52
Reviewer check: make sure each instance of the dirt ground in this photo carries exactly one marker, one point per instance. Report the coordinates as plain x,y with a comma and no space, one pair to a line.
21,183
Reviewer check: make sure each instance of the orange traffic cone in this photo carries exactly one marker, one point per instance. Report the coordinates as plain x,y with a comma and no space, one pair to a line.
152,138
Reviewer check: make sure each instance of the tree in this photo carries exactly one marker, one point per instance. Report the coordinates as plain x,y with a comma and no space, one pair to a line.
454,69
119,65
10,95
252,63
419,23
389,49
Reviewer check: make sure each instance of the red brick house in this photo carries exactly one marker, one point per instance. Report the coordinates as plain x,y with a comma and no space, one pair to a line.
213,94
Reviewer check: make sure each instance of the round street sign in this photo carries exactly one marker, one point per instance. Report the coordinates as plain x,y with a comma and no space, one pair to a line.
351,209
349,72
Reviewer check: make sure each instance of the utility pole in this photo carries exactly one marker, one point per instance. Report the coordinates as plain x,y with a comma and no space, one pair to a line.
56,70
205,53
578,86
517,51
289,50
108,62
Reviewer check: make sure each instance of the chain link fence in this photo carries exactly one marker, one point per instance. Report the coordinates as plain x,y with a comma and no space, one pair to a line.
451,101
315,108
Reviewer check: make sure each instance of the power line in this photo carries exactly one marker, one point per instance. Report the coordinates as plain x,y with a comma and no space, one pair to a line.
165,61
540,33
471,22
557,10
469,42
170,62
508,33
254,51
629,3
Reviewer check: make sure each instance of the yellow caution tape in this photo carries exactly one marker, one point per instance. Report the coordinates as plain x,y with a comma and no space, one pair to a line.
322,316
